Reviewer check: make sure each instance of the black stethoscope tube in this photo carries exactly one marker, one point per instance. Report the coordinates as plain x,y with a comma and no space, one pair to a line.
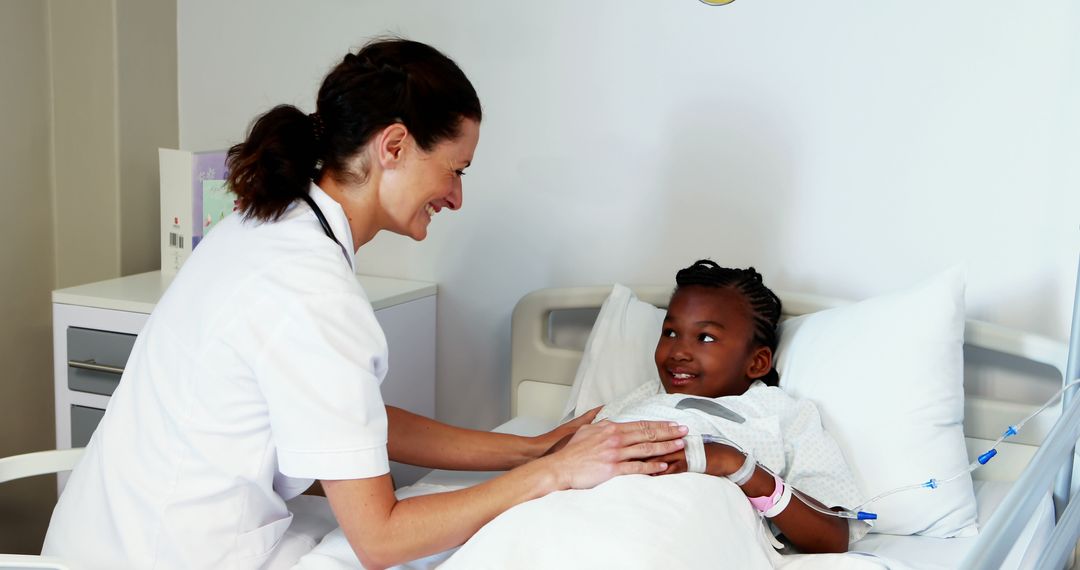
325,225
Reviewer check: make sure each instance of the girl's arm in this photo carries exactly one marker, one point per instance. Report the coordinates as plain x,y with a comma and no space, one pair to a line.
422,441
810,531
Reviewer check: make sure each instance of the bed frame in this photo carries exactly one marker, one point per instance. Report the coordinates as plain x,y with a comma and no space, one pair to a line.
1038,458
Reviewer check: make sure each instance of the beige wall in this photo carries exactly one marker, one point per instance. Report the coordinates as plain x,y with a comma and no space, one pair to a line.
89,94
114,102
146,60
85,141
26,255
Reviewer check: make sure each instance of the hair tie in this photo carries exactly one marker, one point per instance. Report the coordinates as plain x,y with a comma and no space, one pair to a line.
316,125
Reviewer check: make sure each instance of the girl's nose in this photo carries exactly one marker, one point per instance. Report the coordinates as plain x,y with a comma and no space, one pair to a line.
679,352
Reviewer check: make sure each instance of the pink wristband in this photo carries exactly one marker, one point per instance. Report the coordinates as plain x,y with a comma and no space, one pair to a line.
764,504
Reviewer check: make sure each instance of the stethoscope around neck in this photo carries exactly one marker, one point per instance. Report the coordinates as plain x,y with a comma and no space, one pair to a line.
326,226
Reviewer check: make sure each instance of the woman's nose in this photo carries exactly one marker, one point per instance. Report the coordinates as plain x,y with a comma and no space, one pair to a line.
453,201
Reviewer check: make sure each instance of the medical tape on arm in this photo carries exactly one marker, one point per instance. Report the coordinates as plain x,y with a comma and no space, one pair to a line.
745,472
695,454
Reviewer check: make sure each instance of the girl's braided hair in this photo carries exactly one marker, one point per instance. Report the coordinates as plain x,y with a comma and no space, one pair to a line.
764,304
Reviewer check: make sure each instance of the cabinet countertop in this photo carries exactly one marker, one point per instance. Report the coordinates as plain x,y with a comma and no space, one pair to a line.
139,293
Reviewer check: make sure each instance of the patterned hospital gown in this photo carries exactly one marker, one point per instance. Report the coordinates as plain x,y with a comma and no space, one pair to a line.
782,433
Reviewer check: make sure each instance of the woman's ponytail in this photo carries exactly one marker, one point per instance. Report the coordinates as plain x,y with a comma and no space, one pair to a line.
274,165
388,81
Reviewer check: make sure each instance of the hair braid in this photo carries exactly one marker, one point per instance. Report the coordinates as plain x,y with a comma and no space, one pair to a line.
765,306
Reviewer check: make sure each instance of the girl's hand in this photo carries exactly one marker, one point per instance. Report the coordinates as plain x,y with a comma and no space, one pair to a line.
721,460
556,439
598,452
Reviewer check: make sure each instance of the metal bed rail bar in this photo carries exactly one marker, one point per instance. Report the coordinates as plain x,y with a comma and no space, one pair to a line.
1064,483
1050,468
999,536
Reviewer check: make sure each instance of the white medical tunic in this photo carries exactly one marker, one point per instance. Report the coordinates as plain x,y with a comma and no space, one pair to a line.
257,372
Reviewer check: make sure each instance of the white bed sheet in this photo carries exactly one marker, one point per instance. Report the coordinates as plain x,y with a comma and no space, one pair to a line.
937,553
333,553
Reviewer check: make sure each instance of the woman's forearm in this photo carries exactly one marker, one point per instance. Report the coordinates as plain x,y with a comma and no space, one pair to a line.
384,532
417,440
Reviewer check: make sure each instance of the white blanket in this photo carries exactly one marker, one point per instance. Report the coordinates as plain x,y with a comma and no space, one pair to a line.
628,522
637,522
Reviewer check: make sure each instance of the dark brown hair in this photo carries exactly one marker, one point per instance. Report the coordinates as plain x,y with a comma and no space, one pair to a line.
388,81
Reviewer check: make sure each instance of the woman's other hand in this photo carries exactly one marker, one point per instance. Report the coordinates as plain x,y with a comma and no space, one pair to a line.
557,438
597,452
676,462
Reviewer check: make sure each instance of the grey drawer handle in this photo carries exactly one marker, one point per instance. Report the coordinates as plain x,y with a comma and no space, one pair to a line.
90,364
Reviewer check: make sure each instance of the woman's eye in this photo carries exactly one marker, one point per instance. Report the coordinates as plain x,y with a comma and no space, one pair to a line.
459,173
707,338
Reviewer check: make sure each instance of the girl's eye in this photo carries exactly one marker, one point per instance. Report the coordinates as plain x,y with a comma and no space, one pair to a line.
707,338
668,333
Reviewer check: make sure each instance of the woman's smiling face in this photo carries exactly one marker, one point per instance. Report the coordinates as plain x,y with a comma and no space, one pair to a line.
427,182
706,348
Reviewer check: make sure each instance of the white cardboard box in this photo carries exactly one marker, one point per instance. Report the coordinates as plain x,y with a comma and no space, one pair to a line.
185,176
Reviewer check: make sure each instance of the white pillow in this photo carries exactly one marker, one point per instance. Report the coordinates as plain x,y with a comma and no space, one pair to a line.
619,352
887,376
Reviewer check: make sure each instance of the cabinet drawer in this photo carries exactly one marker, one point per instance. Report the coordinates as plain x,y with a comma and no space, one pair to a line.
83,423
96,359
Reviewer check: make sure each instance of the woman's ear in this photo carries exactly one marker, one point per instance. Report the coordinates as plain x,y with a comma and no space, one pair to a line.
390,145
760,362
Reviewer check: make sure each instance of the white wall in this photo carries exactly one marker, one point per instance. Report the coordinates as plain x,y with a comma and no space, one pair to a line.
846,148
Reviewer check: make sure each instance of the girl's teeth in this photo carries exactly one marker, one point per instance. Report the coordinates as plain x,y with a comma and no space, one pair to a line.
682,376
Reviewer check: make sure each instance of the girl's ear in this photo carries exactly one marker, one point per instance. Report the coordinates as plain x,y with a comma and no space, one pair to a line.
760,362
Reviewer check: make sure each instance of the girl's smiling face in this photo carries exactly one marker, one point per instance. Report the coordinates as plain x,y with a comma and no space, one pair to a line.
706,347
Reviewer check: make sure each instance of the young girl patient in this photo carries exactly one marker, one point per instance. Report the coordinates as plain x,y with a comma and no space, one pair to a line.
717,347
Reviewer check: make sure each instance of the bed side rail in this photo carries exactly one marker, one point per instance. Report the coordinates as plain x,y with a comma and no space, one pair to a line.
1050,468
997,539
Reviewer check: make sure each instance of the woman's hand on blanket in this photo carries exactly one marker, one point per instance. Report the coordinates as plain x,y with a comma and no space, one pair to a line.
556,439
597,452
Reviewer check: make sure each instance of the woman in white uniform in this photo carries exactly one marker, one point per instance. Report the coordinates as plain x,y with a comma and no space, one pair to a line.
258,371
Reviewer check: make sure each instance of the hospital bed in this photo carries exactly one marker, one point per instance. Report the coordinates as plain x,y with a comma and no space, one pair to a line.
1024,514
1018,514
1024,509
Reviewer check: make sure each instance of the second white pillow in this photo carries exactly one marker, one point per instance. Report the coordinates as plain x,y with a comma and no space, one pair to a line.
619,352
887,376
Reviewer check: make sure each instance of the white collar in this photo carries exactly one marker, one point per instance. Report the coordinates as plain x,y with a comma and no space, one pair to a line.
339,222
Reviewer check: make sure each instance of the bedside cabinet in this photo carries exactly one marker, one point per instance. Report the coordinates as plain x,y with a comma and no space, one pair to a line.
94,328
